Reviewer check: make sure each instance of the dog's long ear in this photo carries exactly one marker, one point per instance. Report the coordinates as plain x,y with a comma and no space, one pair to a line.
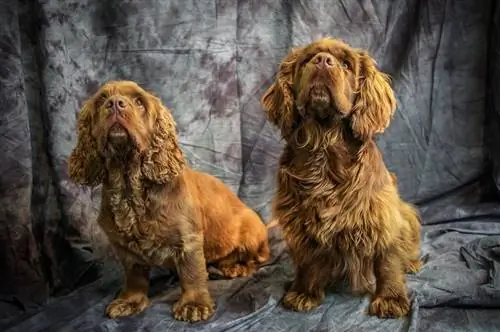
85,165
164,159
278,100
375,103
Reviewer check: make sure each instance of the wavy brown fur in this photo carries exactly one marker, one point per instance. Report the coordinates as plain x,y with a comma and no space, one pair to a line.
337,204
155,211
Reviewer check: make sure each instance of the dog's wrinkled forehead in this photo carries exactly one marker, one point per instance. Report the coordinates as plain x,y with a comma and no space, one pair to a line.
335,47
124,88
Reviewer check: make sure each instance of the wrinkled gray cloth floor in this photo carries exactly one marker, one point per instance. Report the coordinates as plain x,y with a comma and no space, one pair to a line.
459,277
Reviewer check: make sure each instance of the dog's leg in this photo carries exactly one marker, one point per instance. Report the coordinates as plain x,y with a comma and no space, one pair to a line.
308,288
362,280
391,295
411,241
195,303
251,252
133,298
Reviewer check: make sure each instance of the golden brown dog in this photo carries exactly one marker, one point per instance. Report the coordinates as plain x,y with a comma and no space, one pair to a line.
155,210
336,202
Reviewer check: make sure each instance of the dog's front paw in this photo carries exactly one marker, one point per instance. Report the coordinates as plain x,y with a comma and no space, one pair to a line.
390,307
126,307
194,310
300,301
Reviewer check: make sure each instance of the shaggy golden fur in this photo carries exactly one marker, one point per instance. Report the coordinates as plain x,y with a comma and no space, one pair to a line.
336,202
155,210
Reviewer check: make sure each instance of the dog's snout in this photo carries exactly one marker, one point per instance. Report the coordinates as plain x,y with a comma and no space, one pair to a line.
323,59
117,104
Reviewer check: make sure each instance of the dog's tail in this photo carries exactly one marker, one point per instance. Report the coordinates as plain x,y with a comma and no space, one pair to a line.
273,223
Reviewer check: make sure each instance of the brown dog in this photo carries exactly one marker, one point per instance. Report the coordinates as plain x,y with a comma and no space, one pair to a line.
337,204
154,209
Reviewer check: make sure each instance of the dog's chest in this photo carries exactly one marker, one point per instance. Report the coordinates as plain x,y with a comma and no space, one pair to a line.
314,202
354,239
142,241
148,240
311,178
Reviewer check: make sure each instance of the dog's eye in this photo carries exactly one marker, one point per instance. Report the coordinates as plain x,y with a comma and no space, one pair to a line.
346,65
99,101
306,60
139,102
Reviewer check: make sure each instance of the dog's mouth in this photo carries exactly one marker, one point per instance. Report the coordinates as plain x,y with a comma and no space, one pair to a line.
320,94
118,133
317,93
320,98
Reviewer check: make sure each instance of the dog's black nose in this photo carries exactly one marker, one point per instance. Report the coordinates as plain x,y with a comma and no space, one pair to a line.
323,59
116,103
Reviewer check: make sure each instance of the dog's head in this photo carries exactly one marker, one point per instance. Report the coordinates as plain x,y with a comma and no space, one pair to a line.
329,80
124,122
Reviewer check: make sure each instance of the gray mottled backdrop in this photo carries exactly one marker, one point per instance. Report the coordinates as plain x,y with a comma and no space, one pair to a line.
210,62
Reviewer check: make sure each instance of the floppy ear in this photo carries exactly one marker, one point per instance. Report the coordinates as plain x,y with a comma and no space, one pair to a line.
85,165
164,159
375,102
278,100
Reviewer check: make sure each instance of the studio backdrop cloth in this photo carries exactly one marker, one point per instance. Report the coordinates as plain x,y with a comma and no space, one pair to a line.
210,62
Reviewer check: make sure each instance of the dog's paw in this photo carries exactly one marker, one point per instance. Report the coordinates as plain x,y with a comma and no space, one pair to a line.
126,307
390,307
193,311
300,301
414,266
237,270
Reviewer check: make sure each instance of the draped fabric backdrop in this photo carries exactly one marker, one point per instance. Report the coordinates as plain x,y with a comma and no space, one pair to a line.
210,62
